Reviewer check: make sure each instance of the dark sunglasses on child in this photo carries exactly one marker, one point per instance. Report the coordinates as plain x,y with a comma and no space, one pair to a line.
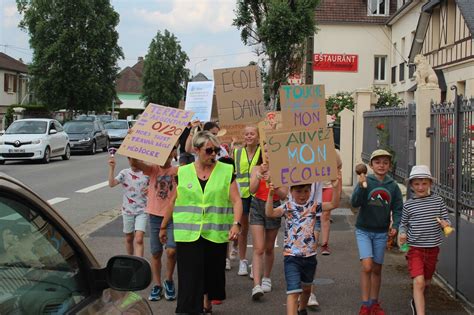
216,150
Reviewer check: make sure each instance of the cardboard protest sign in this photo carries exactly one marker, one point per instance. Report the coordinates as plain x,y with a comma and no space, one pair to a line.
301,156
199,99
303,106
272,121
239,98
155,133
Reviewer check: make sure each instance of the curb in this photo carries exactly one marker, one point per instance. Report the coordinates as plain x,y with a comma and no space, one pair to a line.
93,224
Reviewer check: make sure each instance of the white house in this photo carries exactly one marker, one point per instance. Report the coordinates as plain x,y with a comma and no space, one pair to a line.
14,79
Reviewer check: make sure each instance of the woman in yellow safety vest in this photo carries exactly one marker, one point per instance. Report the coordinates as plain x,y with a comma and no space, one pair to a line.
206,215
245,159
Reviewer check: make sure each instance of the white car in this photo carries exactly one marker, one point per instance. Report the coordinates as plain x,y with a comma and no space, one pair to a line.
34,139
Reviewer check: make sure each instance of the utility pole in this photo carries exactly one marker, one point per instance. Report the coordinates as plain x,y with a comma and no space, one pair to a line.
309,60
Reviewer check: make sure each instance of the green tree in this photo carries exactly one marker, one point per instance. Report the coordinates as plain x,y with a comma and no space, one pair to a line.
164,72
75,52
278,29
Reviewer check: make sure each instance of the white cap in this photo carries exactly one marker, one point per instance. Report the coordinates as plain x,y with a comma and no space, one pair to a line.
420,171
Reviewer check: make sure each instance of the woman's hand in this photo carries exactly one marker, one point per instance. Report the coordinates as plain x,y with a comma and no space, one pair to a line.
233,233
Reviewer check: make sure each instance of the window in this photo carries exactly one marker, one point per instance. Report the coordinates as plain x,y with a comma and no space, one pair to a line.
394,74
9,83
379,68
39,270
378,7
402,72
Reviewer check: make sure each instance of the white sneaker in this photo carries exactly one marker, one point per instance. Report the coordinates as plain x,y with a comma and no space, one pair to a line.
243,268
251,272
234,252
227,264
312,300
266,285
257,292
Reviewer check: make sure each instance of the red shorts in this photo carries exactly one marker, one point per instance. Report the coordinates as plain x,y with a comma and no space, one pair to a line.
422,261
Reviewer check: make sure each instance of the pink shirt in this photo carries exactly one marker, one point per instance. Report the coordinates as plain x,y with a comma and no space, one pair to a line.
161,189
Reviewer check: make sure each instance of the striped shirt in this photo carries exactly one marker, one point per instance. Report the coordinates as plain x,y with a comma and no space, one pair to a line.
419,221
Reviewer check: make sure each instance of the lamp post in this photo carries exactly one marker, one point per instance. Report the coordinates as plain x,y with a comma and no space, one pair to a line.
205,59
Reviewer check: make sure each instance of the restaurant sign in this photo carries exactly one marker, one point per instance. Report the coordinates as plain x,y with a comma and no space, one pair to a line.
335,62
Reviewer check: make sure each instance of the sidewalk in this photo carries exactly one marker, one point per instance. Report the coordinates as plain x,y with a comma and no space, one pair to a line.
337,275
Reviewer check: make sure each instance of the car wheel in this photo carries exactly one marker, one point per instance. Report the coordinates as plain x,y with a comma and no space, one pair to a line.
67,153
93,148
47,155
106,145
2,162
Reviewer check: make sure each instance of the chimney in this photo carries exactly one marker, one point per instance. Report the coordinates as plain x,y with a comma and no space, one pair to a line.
140,59
20,60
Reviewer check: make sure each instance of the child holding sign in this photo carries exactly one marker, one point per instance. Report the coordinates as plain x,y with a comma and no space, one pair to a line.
134,184
300,246
161,192
379,198
422,219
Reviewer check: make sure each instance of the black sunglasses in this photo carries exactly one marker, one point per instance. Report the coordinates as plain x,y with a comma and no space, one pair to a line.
216,150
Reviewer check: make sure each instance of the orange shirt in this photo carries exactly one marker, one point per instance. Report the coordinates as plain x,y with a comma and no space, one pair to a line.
262,191
162,187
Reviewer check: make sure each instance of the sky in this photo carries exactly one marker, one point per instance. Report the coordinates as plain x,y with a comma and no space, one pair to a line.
203,27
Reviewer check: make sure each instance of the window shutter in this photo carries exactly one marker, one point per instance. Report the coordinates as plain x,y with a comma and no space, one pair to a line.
5,82
14,83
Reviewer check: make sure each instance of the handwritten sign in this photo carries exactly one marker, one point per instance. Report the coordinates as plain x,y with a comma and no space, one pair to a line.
301,157
272,121
239,98
303,106
199,99
155,133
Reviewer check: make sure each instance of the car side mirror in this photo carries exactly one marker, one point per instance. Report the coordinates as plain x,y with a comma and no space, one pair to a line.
53,132
128,273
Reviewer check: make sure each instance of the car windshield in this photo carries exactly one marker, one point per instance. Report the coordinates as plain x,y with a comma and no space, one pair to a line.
27,127
104,117
116,124
78,127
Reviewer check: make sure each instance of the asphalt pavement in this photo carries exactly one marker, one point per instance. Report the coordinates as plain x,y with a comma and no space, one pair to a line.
337,275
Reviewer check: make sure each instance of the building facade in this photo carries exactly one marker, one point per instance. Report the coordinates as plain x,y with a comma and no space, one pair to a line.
14,80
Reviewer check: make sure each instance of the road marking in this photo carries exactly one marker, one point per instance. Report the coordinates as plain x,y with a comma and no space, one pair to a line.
93,187
56,200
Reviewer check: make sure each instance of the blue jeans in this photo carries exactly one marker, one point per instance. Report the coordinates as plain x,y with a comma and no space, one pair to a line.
155,243
299,272
371,245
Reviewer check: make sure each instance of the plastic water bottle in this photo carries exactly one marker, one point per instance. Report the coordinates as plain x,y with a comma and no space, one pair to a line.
405,247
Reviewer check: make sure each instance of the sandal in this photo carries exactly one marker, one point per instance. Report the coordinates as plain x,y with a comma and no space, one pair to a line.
207,310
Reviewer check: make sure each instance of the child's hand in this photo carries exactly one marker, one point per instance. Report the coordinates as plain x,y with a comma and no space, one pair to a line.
196,123
111,161
130,131
392,232
271,188
443,223
402,238
163,236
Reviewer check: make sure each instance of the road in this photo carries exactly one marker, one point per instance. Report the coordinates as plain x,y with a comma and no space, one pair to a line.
77,188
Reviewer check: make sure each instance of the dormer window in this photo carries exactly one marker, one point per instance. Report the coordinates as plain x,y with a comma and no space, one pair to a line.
378,7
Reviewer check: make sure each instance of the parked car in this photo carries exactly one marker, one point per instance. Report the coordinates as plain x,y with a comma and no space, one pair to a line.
104,118
87,117
117,130
45,267
34,139
87,135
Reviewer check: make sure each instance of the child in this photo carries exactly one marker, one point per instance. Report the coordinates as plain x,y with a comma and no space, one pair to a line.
381,198
300,244
420,227
162,189
134,184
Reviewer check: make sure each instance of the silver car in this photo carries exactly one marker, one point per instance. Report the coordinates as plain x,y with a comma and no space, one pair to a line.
117,130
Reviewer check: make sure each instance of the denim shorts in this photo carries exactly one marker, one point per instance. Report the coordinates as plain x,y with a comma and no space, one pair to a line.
155,244
132,223
299,272
371,245
257,215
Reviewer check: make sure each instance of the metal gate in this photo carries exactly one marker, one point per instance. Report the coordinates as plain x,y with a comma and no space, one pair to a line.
452,157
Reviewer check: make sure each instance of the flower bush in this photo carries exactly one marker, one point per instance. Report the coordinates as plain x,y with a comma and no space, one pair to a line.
385,98
336,103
